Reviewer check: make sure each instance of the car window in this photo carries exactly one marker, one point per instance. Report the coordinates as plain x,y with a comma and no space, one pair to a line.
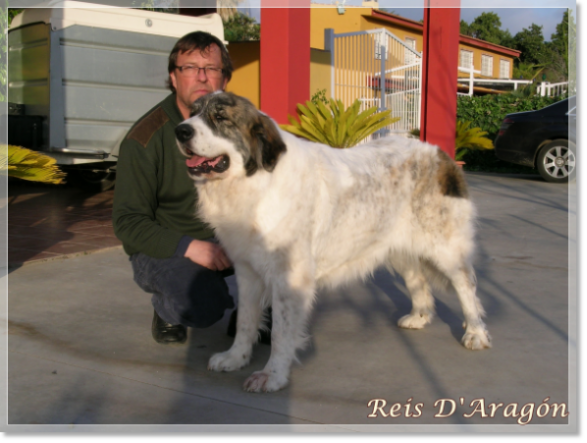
572,112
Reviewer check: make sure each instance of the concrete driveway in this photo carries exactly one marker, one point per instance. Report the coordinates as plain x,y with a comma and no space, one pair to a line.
81,356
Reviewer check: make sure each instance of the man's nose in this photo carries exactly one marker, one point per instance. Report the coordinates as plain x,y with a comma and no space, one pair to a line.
184,132
202,75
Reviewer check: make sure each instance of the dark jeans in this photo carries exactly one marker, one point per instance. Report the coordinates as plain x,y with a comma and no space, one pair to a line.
183,291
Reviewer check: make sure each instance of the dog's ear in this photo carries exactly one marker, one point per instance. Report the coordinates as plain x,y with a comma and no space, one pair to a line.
269,145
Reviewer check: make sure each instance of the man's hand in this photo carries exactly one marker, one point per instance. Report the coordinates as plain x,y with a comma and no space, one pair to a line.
209,255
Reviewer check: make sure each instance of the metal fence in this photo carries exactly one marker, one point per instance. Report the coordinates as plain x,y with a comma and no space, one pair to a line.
375,64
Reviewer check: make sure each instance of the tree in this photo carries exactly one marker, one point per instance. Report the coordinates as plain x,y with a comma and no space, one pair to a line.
241,27
465,28
551,57
507,39
563,44
531,42
487,27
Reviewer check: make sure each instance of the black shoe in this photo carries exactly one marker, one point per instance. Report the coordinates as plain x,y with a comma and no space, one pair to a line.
166,333
264,333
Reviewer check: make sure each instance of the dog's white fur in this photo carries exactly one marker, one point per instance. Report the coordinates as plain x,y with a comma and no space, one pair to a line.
322,216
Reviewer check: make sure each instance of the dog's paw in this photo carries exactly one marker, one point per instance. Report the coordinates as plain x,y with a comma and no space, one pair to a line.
260,381
476,341
414,321
228,361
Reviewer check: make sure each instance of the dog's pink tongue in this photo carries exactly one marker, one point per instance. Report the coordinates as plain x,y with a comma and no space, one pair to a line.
194,161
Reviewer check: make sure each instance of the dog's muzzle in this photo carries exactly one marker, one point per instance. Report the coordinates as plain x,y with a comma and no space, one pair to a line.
198,164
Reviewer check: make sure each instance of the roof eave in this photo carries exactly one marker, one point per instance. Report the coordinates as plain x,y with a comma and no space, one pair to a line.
464,39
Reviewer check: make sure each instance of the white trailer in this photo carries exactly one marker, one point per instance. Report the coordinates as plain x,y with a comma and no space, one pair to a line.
80,74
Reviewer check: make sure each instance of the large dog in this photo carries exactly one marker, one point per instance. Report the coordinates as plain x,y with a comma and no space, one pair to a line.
294,216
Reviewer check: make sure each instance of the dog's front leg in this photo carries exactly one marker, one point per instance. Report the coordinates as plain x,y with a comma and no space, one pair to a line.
291,307
250,292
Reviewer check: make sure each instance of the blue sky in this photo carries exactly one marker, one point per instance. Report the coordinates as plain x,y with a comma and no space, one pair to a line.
515,15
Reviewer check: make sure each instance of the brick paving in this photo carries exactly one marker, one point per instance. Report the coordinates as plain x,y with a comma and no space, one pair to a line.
48,221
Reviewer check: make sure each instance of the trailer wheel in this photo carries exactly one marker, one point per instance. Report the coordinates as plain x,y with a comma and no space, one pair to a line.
93,179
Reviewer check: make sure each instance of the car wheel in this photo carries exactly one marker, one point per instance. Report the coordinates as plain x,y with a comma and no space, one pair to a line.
556,161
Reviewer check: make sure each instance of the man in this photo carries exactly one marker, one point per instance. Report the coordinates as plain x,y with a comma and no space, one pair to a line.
173,254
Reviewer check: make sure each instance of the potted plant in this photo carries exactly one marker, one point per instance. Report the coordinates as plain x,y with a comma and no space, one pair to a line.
336,126
467,139
25,164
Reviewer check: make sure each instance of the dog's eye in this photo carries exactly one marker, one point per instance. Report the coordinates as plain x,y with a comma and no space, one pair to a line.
220,117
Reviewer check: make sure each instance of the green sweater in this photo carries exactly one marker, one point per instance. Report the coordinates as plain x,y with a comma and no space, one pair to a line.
154,199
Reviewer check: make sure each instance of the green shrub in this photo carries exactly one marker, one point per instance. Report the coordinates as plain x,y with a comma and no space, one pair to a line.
488,111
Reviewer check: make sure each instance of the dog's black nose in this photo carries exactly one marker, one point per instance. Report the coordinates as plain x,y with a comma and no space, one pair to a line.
184,132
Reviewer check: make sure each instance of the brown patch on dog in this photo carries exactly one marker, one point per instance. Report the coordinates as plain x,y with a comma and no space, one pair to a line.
450,178
145,129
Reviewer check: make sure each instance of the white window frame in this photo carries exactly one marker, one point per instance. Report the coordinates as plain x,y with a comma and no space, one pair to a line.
409,56
469,56
503,63
487,65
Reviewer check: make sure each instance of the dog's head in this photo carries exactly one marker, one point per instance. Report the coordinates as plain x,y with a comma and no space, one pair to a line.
226,136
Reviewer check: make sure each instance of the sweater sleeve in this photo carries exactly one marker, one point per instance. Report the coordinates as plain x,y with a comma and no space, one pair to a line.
135,204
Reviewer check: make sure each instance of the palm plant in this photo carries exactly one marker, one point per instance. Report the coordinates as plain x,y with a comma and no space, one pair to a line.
468,138
25,164
336,126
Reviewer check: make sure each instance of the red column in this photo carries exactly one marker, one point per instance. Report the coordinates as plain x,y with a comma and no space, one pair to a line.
285,56
440,60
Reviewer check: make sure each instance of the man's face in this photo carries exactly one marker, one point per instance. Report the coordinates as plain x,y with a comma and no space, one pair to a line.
188,87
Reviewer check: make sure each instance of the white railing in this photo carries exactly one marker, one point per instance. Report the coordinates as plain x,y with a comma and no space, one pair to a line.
552,89
471,80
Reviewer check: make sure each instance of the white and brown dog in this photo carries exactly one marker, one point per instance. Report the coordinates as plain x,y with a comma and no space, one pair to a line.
295,216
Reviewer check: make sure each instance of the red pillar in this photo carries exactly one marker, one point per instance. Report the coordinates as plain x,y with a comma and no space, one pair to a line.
285,56
439,73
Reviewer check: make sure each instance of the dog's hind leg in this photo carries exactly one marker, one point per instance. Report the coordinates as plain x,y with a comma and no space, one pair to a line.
422,301
251,290
291,307
464,283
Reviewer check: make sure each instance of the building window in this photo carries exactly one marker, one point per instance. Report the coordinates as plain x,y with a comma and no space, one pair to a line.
409,56
504,69
466,60
487,65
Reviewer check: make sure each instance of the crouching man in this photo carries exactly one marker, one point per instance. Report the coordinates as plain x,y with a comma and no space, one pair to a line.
173,254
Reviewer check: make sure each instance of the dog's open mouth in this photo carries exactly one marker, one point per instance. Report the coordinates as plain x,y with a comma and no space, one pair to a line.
204,165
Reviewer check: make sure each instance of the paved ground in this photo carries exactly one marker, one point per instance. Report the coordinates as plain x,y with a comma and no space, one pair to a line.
80,354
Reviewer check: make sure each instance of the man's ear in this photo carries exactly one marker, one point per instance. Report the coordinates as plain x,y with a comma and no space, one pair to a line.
173,80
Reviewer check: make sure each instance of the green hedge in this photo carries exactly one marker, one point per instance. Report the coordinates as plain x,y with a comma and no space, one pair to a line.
487,112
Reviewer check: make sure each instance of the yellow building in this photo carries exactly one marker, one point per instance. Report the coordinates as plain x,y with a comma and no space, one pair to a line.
494,61
490,60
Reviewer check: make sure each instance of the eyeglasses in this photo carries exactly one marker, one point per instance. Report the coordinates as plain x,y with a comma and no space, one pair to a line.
194,71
